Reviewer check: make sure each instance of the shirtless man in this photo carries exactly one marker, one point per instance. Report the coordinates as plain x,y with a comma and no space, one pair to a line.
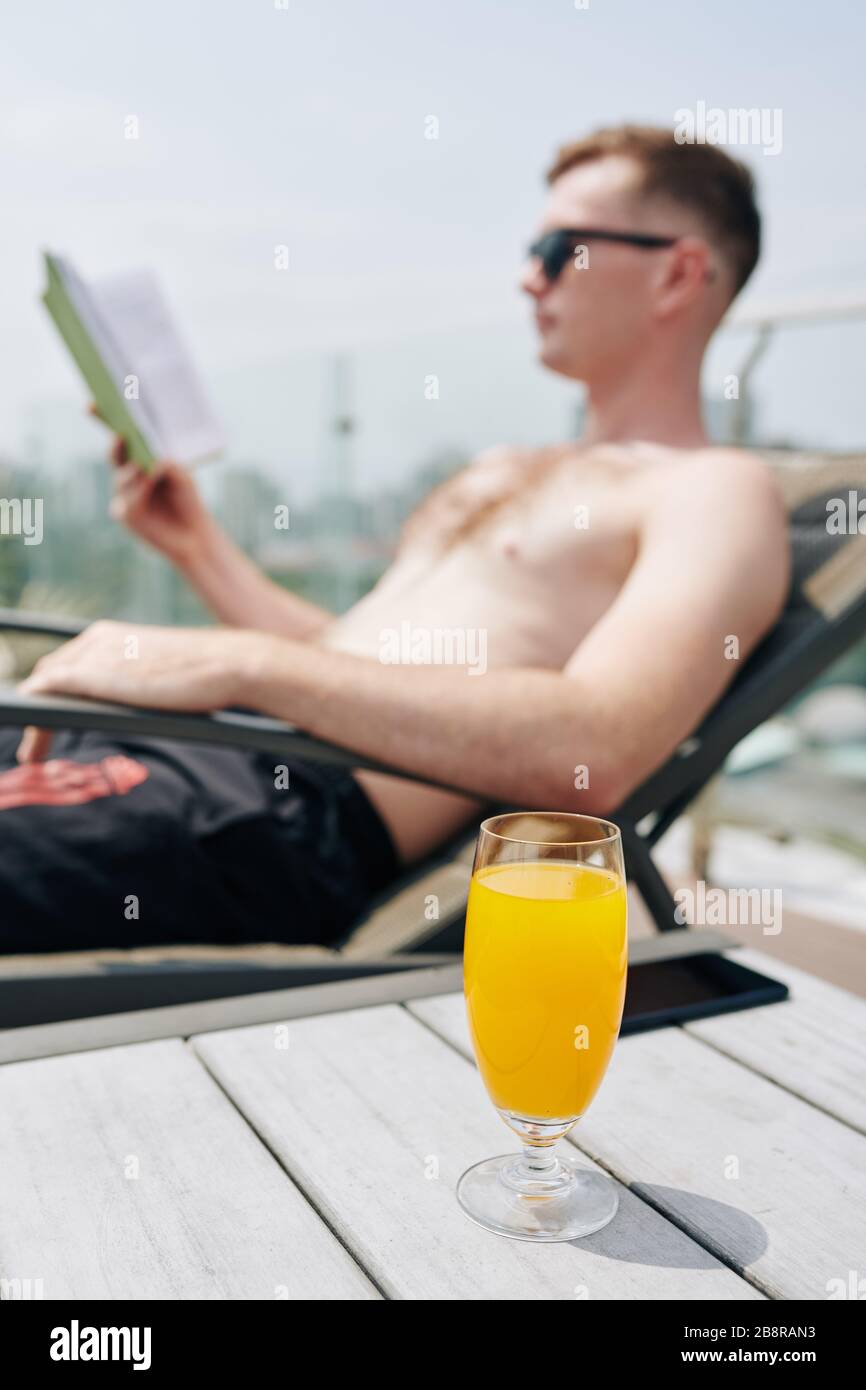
607,576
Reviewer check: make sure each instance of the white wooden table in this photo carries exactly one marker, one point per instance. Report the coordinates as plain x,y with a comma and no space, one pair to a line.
318,1159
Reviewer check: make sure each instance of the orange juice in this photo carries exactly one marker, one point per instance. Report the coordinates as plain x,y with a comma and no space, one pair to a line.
544,971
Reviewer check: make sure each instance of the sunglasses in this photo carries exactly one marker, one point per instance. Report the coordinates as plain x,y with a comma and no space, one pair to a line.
554,248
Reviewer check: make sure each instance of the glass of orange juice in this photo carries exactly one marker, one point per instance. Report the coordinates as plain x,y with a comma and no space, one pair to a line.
544,977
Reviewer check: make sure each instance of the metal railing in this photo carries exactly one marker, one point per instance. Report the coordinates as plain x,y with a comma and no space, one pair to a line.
764,319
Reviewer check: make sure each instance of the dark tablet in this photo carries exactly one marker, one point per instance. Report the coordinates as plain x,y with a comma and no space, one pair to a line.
660,992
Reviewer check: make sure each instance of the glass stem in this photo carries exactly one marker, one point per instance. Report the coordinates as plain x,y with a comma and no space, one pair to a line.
540,1160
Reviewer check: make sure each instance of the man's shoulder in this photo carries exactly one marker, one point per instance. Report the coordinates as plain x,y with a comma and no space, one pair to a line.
727,479
726,505
727,466
502,457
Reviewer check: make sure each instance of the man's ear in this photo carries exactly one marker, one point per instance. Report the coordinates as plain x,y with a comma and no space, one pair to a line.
683,274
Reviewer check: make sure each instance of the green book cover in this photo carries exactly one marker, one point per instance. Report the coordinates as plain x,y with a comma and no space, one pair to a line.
107,394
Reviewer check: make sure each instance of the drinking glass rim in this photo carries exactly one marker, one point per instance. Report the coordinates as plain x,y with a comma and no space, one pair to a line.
613,834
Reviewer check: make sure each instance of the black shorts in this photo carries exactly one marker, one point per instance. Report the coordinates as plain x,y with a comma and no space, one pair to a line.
138,843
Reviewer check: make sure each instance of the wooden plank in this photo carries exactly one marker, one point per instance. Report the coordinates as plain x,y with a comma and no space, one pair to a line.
437,973
813,1044
376,1118
210,1215
128,958
182,1020
674,1117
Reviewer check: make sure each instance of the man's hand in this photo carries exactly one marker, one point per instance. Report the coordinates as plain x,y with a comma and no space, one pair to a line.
162,668
164,508
161,508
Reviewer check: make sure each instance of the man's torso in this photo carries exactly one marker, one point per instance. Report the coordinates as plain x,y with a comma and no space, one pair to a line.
517,557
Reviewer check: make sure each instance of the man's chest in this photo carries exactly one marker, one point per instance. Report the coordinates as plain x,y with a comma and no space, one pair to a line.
533,560
551,520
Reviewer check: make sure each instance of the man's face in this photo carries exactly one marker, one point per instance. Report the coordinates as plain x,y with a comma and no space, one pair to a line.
593,321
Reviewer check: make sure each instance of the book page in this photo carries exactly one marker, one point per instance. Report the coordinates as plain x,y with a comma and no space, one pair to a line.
104,342
172,403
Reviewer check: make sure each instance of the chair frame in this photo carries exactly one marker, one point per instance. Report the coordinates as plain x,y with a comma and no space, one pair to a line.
643,818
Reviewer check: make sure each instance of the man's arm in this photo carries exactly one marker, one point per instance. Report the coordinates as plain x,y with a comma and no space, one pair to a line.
240,594
165,509
710,580
711,576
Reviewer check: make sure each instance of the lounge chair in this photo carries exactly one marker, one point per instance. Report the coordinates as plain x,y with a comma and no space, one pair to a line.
825,615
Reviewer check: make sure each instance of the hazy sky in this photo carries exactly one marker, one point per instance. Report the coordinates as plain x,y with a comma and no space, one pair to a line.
305,126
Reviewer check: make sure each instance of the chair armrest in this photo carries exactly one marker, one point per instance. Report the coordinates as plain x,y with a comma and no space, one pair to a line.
225,728
40,624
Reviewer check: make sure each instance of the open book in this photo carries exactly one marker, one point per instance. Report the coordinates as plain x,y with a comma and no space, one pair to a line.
143,381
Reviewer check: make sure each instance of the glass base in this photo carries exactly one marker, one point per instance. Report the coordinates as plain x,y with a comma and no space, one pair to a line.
564,1203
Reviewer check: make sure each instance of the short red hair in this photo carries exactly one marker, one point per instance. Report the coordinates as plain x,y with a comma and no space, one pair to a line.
700,176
